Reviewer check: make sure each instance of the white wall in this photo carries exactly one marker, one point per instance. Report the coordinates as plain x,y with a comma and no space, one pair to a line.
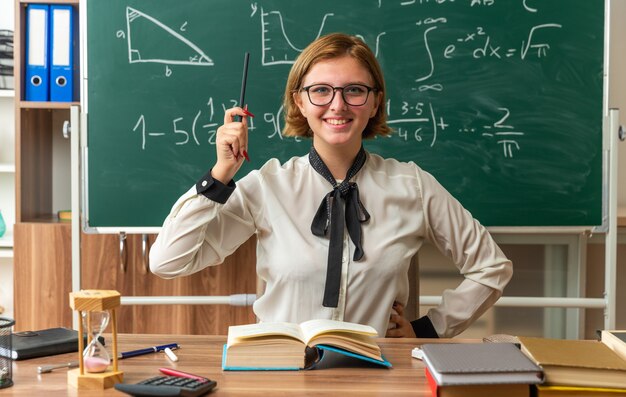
7,20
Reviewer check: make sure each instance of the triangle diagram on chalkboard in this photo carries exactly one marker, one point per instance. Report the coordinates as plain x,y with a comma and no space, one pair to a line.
150,40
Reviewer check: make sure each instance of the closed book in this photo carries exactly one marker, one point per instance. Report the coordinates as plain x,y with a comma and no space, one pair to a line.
65,215
45,342
502,390
615,340
588,363
576,391
479,363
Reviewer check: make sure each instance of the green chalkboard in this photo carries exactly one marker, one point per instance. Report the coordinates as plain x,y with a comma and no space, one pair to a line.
501,100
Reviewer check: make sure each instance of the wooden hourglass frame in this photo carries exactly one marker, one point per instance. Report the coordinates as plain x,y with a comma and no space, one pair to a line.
95,301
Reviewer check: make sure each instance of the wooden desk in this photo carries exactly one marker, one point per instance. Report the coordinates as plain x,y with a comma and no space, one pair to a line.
202,355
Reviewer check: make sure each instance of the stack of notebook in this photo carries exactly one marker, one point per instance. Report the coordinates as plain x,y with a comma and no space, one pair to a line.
587,368
479,369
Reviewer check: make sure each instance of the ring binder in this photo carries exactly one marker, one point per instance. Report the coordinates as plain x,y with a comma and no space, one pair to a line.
37,62
62,53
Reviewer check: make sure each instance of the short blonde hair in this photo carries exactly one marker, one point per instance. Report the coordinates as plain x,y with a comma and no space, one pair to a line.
328,47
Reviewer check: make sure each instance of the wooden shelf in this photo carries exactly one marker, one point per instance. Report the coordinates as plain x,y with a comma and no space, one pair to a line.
46,105
48,1
47,218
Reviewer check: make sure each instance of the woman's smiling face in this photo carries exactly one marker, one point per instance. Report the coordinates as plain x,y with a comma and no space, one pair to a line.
337,124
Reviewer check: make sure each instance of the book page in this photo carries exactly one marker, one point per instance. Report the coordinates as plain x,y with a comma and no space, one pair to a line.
313,328
241,333
615,340
355,343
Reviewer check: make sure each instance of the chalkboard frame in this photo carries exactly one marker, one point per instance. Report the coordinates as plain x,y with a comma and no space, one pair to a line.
92,228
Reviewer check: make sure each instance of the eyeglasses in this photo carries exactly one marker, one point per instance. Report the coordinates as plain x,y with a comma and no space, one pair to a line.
352,94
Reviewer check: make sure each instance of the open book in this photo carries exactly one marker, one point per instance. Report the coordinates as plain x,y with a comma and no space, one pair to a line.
287,346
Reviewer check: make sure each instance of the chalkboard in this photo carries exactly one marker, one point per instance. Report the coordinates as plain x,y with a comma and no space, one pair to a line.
501,100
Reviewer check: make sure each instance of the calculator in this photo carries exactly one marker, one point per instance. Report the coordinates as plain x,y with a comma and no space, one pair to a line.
165,386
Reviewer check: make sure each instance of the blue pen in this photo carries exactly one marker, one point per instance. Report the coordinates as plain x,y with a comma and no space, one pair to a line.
147,350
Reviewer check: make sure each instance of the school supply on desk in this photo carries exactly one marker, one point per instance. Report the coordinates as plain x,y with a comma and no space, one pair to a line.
287,346
61,53
45,342
497,390
615,340
479,363
175,372
37,68
586,363
170,354
573,391
168,386
44,369
148,350
502,338
417,353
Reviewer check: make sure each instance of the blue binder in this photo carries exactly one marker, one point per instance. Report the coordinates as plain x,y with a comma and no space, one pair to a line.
36,84
61,53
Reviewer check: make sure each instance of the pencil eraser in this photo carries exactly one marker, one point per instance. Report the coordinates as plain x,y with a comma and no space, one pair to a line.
170,354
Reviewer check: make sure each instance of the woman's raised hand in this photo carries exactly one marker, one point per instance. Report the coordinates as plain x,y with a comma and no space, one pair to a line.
231,144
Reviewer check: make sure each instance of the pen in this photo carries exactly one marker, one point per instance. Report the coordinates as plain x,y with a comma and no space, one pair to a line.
44,369
242,95
147,350
244,81
174,372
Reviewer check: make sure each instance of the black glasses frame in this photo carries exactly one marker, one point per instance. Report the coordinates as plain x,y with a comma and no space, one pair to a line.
369,89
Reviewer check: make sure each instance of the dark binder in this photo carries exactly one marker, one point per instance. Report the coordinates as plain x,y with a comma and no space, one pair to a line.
45,342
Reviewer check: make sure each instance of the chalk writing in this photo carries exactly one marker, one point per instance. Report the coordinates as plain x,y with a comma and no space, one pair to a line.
414,119
277,47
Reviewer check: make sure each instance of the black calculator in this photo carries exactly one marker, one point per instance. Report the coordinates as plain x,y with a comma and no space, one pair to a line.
168,386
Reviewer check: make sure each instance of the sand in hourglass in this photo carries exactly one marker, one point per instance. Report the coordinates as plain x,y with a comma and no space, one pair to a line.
96,364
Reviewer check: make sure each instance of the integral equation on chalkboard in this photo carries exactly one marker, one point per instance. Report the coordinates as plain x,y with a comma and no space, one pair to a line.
415,117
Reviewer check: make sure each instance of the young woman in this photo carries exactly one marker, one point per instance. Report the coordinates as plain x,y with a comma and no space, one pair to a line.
336,229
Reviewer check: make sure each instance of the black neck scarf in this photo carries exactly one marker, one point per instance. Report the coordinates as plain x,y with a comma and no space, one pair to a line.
331,213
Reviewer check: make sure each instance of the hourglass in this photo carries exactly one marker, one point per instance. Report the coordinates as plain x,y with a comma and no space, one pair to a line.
95,356
95,309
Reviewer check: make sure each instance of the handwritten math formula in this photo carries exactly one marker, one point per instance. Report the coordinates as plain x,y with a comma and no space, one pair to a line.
202,127
417,113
